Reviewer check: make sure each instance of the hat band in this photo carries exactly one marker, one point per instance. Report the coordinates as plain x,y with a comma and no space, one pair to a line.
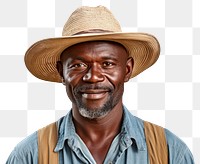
92,31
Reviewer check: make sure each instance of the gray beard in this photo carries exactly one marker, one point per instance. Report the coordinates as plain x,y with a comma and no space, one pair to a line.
95,113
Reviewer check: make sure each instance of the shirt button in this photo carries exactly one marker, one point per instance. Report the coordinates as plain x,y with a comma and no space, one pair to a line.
110,162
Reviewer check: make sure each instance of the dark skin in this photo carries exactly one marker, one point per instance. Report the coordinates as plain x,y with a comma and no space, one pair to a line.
103,68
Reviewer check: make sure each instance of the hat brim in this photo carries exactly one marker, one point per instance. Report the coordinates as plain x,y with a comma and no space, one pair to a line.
41,57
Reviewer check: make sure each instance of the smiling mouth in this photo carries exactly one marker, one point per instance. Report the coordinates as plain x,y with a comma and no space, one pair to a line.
94,94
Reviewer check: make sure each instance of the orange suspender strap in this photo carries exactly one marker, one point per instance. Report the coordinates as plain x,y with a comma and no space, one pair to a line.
47,140
156,143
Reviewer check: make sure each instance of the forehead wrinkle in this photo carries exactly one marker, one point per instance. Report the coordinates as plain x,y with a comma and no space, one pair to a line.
92,52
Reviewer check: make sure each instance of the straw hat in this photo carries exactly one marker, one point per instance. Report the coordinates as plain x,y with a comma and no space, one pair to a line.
90,24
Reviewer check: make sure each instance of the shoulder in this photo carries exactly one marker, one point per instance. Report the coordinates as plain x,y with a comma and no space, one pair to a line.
25,151
28,145
178,150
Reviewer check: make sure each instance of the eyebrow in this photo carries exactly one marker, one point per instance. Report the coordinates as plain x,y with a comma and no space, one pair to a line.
110,58
103,57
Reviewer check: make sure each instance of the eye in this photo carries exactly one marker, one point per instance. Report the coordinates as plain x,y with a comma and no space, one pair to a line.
78,65
108,64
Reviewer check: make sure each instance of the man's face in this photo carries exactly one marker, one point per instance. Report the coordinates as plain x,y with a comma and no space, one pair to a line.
94,74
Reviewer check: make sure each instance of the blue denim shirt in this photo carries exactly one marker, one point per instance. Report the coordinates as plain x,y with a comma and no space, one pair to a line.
129,146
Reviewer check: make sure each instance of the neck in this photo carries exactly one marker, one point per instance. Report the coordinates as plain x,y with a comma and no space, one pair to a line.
94,130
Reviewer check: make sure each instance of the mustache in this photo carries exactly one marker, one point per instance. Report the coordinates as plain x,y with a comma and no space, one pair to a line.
85,87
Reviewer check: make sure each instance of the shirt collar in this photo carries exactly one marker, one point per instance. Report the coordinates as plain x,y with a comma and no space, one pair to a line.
66,130
132,127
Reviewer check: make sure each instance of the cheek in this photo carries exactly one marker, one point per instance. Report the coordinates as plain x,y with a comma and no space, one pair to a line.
117,81
117,76
71,77
118,91
71,82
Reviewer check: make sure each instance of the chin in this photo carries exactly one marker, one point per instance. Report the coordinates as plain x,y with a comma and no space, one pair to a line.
94,114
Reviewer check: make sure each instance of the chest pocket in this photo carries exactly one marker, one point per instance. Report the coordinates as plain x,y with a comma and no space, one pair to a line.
155,140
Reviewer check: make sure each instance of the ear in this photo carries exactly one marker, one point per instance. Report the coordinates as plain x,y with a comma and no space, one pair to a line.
129,68
59,67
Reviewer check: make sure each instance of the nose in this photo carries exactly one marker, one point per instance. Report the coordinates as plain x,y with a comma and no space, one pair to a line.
93,75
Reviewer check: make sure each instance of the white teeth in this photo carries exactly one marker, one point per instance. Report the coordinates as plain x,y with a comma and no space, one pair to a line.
85,95
93,95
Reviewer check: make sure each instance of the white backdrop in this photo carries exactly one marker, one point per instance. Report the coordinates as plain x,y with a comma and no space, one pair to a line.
166,94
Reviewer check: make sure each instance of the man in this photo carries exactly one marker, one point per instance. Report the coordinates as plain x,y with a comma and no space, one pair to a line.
93,60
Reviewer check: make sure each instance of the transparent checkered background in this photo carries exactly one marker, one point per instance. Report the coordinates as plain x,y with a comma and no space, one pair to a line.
167,94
